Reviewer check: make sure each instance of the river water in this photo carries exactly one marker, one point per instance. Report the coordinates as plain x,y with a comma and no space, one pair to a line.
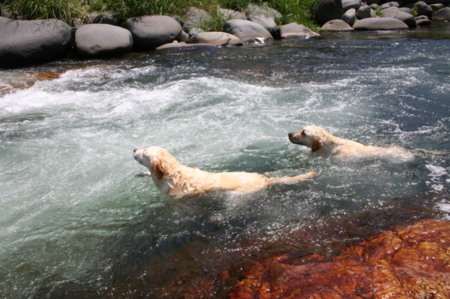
76,222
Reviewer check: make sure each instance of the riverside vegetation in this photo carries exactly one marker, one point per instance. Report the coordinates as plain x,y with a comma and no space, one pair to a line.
300,11
94,28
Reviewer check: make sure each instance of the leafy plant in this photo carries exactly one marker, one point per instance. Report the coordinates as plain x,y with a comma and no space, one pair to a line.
379,11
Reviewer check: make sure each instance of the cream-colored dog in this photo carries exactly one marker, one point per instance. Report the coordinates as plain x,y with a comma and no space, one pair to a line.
171,177
327,145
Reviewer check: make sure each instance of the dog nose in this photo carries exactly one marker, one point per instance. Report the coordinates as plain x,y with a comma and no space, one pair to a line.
135,150
290,135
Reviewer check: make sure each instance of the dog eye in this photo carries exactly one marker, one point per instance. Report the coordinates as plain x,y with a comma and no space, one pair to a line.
303,133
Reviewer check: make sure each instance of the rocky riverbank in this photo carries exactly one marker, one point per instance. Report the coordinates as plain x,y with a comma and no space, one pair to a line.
23,43
402,262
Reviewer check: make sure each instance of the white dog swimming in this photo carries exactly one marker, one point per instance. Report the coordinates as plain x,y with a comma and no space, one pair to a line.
323,143
171,177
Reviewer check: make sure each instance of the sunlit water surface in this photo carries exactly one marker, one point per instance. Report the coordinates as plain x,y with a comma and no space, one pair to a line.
76,222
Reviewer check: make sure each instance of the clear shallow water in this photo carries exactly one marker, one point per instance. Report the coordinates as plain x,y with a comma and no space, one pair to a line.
75,222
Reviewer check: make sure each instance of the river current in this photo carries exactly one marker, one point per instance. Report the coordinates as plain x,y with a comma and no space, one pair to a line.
75,222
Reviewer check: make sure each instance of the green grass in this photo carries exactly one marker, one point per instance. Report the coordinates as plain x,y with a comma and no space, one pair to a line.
46,9
300,11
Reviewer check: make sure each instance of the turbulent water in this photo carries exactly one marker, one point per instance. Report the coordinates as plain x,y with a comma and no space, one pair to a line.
76,222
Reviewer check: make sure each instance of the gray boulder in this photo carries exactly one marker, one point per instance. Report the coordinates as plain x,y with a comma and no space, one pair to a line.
336,25
437,6
267,22
228,14
365,12
196,18
254,9
406,9
423,9
379,24
247,31
150,32
102,40
442,14
183,47
394,12
26,42
184,37
348,4
350,16
103,18
328,10
390,4
295,30
215,38
423,21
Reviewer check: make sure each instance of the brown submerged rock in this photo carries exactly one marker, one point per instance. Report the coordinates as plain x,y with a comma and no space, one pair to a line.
403,262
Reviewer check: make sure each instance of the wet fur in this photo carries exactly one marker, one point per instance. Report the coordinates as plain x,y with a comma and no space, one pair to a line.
171,177
325,144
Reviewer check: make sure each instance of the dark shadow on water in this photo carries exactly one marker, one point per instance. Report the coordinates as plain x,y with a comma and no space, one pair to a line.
152,262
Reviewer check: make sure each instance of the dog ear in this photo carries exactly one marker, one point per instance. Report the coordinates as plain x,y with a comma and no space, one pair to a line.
157,170
317,144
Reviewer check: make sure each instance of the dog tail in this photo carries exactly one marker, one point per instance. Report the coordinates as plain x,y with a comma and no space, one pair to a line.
294,179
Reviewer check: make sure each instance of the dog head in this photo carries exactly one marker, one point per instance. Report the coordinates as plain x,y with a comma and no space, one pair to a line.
153,158
310,136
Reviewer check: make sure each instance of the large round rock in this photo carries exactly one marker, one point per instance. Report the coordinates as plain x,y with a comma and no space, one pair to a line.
442,14
336,25
379,24
247,30
102,39
328,10
215,38
294,30
396,13
150,32
26,42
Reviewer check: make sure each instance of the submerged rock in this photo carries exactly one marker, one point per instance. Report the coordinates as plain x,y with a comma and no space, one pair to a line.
26,42
403,262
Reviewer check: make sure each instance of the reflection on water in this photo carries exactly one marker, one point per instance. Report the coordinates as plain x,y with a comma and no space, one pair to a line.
77,223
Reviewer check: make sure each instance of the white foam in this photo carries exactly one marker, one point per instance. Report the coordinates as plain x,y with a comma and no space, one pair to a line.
436,171
436,177
444,206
